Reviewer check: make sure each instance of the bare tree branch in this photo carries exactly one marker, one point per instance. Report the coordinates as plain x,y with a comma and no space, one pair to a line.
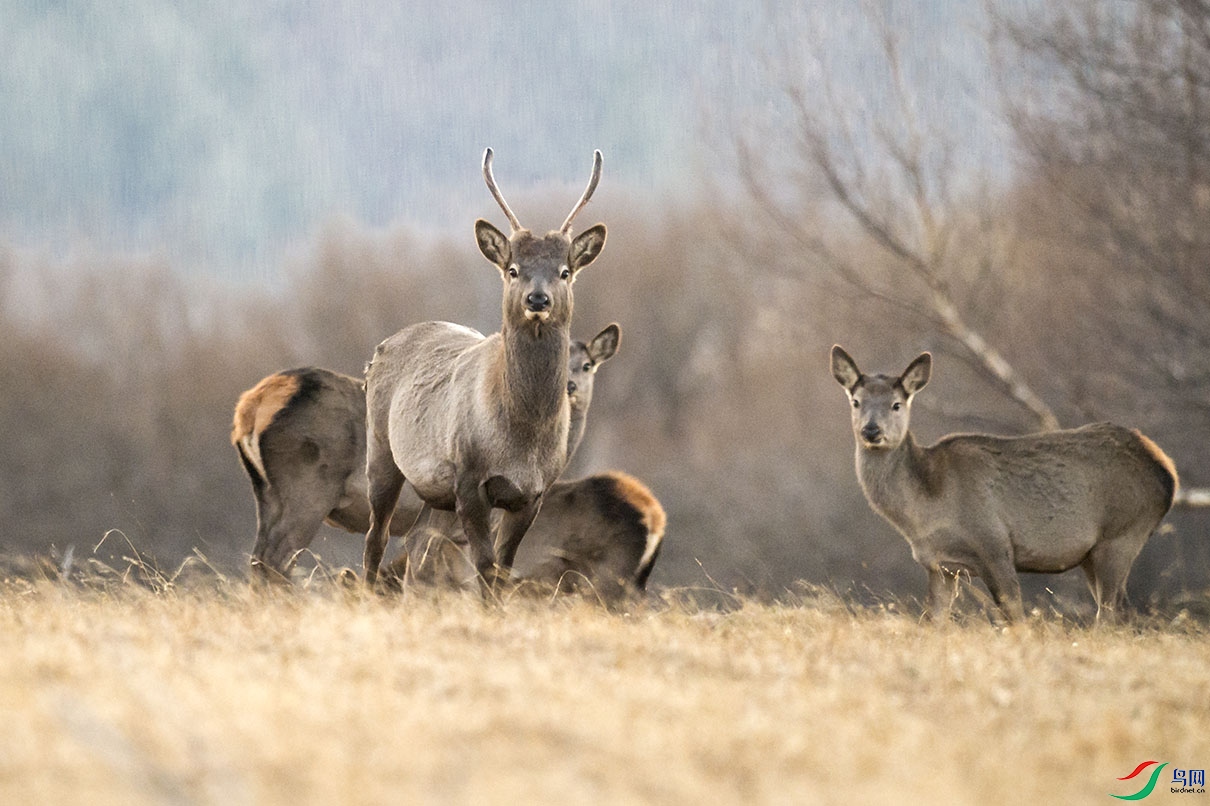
1124,163
923,248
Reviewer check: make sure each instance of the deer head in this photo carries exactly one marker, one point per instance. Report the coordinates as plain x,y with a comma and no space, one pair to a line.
538,271
881,404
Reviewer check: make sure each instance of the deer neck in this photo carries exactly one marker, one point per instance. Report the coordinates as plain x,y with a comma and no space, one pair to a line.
895,481
535,372
575,433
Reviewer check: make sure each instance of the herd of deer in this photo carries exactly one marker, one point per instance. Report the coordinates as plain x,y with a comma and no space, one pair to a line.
450,425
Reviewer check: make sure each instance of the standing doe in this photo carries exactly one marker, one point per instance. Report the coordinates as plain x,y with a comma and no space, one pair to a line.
300,435
991,506
475,422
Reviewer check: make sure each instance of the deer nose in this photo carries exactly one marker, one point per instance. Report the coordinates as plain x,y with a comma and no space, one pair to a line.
870,432
537,301
571,387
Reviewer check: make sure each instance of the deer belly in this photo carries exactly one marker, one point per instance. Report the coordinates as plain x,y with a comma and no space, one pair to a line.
1049,551
434,483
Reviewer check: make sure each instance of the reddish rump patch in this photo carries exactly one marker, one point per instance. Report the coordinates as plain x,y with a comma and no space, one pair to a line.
258,406
1161,458
635,493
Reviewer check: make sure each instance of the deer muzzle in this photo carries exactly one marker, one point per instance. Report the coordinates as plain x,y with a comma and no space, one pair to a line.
872,435
537,306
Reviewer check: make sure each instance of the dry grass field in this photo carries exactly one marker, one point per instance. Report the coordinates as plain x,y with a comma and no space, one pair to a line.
120,693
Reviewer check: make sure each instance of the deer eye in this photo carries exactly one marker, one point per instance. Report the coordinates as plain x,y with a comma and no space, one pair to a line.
896,406
512,272
563,275
856,403
587,367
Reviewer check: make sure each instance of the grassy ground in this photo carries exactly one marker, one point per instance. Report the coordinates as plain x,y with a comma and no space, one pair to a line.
216,693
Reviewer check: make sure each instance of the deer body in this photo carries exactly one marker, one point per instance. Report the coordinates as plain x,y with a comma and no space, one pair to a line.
991,506
474,422
300,435
476,400
601,534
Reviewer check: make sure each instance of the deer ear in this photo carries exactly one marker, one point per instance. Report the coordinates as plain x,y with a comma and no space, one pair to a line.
844,369
605,344
916,376
585,248
493,244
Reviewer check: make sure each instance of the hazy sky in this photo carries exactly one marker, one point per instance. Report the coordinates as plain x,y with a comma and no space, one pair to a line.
217,135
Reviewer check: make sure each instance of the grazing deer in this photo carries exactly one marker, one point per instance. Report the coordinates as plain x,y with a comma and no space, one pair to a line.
991,506
480,422
300,435
598,535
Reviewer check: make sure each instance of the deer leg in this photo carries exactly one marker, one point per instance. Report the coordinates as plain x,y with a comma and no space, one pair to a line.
303,499
385,482
404,566
474,513
513,527
1107,566
520,510
1005,586
283,528
1094,584
268,513
417,547
943,591
293,533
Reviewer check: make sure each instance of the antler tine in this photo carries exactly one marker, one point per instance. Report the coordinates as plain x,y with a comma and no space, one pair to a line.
491,185
592,185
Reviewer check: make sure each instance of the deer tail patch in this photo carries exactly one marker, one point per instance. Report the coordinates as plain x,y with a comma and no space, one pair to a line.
1164,464
255,411
651,514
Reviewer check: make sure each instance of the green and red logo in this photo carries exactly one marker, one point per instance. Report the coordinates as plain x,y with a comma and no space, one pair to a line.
1150,785
1184,781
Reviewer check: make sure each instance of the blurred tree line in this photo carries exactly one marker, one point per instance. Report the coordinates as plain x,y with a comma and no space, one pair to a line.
1076,291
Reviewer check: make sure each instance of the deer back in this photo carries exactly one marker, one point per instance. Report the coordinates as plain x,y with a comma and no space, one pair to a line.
605,530
1053,482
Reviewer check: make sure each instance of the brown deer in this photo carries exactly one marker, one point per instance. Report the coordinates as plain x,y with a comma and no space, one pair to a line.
598,535
475,422
300,435
991,506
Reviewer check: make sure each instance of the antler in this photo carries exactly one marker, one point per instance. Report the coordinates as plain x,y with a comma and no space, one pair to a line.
592,185
491,185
